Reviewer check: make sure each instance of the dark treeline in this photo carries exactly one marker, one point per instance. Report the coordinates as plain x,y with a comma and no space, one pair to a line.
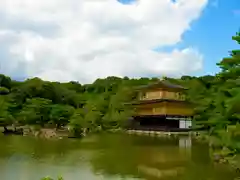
101,104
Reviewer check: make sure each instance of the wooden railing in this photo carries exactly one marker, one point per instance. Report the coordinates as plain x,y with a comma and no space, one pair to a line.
158,128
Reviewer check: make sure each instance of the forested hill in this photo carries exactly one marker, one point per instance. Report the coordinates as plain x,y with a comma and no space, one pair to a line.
35,101
38,101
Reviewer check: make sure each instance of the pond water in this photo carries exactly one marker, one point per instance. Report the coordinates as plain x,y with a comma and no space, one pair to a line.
108,157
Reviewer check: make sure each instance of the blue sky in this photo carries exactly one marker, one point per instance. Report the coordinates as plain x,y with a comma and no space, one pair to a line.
211,33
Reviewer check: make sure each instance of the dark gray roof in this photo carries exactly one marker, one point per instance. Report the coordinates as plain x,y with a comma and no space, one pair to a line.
164,83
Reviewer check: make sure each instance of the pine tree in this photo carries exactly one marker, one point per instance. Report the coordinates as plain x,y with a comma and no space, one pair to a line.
231,65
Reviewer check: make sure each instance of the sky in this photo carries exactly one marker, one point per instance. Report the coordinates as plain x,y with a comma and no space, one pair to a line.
82,40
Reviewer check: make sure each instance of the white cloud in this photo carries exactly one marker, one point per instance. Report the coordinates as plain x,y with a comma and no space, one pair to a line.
86,39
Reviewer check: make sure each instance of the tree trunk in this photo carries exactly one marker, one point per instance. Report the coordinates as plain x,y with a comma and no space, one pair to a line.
84,131
5,129
57,126
15,128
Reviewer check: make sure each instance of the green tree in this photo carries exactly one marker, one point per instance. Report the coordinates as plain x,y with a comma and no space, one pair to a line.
4,91
60,114
118,113
230,65
77,122
226,102
40,107
5,81
230,77
6,118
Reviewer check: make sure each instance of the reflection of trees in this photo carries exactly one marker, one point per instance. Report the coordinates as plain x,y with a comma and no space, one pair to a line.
196,171
200,167
201,154
115,157
152,159
34,147
135,155
32,158
111,155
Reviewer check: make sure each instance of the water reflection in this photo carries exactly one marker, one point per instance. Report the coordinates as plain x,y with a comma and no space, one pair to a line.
185,142
107,157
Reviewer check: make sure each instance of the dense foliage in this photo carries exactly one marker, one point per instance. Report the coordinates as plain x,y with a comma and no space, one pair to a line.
91,106
100,105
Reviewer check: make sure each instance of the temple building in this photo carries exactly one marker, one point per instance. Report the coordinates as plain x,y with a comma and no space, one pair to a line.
162,106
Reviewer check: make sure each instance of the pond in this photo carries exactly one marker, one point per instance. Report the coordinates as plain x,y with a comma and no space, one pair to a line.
108,157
